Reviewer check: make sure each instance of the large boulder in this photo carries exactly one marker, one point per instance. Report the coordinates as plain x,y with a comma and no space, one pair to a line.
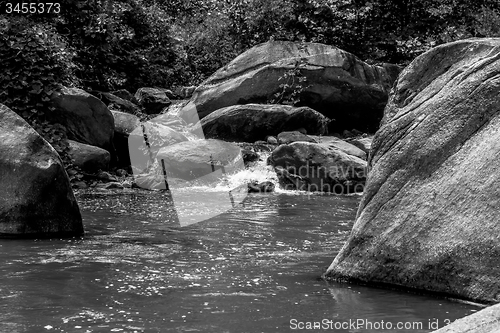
484,321
253,122
318,167
429,216
153,100
337,83
36,199
86,118
89,158
124,125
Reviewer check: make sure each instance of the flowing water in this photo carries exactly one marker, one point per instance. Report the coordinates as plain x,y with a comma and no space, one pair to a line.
255,268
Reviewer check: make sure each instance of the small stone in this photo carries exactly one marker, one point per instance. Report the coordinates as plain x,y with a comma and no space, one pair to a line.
264,187
103,175
111,186
272,140
80,185
121,173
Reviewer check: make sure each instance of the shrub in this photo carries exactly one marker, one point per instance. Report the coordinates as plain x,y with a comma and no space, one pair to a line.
35,63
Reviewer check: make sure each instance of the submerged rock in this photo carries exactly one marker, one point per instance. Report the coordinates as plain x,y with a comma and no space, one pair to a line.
252,122
264,187
429,216
337,83
318,167
36,199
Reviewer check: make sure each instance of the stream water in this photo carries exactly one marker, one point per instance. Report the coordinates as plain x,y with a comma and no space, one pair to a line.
255,268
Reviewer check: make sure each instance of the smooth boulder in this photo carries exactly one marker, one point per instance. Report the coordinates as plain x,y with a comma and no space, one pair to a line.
36,198
337,83
85,117
318,167
89,158
252,122
153,100
484,321
429,216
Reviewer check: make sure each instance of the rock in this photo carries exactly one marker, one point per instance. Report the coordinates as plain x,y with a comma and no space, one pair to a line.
302,130
249,156
184,92
264,187
253,122
111,186
143,156
127,183
116,103
106,176
80,185
153,100
428,219
347,134
124,125
121,173
365,144
89,158
346,147
193,159
272,140
338,84
293,136
262,146
36,198
85,117
484,321
123,94
318,167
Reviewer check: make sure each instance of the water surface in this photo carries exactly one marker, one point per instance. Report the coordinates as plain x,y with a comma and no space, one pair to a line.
255,268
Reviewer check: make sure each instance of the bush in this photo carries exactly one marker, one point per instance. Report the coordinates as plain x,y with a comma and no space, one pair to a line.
35,63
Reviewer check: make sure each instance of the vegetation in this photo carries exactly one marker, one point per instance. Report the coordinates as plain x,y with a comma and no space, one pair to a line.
127,44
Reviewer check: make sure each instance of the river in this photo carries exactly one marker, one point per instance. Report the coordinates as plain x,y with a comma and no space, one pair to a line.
255,268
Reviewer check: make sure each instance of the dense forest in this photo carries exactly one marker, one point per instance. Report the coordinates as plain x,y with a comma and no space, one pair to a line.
113,44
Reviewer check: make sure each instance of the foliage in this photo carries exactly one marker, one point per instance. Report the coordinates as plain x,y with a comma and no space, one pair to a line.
294,83
128,44
36,62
